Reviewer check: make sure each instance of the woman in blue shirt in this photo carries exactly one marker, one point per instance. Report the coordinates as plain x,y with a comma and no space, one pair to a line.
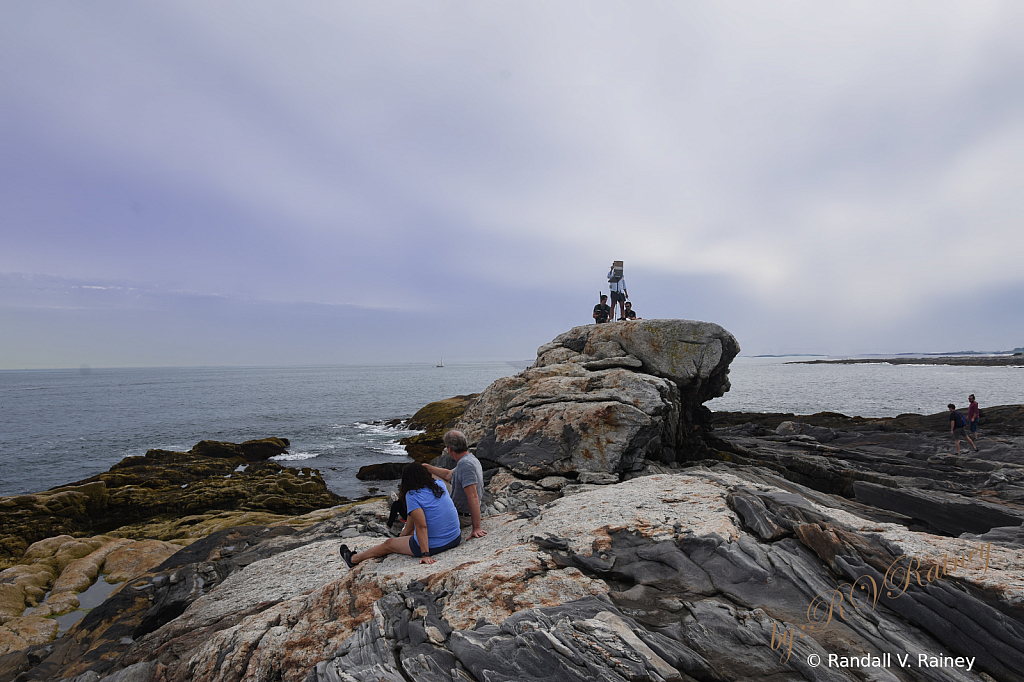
433,525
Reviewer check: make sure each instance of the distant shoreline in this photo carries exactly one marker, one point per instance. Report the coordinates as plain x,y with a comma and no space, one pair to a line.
1015,360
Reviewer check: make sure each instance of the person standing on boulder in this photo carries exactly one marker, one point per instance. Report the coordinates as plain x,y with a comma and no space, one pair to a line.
973,416
956,428
467,479
617,287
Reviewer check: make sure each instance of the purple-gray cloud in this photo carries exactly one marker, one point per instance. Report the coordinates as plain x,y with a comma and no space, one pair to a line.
815,177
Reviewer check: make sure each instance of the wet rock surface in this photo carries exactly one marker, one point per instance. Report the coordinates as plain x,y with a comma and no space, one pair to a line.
212,476
52,574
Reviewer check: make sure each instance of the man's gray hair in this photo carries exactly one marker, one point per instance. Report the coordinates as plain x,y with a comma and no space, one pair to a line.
456,441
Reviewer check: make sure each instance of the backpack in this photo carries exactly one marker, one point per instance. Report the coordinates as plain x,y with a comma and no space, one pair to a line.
958,420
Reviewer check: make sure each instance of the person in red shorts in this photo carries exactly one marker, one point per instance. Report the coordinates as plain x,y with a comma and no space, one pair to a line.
973,417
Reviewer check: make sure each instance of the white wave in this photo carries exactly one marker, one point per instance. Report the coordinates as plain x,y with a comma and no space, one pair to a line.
295,456
386,429
392,448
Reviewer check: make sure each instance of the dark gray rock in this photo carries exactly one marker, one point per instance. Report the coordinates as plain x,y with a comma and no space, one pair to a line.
1009,535
139,672
405,641
942,512
584,640
386,471
756,516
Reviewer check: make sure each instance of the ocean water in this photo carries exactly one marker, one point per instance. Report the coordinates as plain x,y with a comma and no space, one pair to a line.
61,426
866,390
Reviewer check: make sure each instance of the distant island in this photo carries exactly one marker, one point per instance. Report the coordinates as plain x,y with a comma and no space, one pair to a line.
1014,360
792,355
1015,351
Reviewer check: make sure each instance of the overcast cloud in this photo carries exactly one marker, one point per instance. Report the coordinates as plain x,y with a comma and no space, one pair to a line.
293,183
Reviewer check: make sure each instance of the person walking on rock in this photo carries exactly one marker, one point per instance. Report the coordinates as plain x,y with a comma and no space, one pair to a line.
467,479
973,416
957,422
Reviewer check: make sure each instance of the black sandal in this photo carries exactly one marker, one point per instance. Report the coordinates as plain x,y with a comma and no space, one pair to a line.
346,556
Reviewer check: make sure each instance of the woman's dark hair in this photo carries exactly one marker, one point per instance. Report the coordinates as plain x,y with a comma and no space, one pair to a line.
415,477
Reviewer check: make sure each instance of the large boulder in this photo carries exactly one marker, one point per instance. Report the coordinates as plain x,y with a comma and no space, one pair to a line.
601,399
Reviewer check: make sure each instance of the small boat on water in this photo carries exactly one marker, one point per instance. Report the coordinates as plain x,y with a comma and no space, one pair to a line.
441,363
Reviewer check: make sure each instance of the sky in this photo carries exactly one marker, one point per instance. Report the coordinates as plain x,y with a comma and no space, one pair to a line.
253,183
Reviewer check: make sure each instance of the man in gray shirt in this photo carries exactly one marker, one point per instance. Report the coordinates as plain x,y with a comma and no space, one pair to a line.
467,479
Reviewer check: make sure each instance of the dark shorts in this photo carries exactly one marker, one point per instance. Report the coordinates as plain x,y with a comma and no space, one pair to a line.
434,551
959,434
618,296
974,425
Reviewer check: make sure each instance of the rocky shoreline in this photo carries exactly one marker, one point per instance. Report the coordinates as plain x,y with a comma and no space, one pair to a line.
164,490
632,534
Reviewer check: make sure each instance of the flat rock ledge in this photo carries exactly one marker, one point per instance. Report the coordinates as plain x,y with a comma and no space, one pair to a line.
717,573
